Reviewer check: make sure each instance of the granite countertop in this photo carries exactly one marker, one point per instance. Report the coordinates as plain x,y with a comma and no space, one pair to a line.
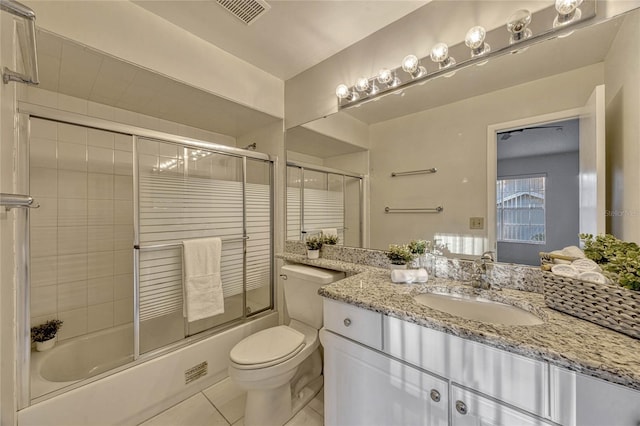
562,340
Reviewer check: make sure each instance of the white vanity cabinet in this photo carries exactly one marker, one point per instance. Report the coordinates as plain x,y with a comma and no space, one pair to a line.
365,387
381,370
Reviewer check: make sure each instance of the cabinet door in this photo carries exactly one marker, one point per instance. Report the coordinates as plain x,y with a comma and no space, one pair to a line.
471,409
603,403
365,387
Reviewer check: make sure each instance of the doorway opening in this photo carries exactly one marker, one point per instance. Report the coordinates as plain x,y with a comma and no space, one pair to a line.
537,190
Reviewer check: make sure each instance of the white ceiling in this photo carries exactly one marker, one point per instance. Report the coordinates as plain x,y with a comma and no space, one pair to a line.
542,139
292,36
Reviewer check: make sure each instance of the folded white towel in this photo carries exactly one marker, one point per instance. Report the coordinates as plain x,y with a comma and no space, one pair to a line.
330,231
565,271
203,295
592,276
560,261
409,275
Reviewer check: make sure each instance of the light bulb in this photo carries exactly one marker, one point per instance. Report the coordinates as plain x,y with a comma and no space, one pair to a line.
565,7
411,64
475,41
517,25
440,54
567,12
362,84
342,91
384,76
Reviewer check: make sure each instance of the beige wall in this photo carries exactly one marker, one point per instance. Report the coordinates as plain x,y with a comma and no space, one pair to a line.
452,138
127,31
622,68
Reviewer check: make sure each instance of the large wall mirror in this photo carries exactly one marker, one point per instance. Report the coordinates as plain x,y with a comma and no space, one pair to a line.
508,122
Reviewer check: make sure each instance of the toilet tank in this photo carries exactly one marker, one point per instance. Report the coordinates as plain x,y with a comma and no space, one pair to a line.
301,292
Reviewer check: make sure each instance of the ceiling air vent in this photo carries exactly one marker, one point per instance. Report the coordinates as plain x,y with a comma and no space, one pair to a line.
245,10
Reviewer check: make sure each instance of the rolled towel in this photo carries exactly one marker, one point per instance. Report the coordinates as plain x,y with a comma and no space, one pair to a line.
573,251
560,261
584,265
565,271
421,275
592,276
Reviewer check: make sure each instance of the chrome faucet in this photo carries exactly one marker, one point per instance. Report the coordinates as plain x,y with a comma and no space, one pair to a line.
481,270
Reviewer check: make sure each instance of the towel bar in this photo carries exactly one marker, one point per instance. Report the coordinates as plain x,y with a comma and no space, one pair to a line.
10,201
176,245
414,172
415,210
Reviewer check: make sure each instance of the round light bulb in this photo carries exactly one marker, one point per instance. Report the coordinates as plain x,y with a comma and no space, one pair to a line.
410,63
362,84
439,52
519,21
565,7
342,91
475,37
385,76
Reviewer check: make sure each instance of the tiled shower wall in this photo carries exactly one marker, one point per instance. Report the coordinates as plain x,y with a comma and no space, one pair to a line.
82,234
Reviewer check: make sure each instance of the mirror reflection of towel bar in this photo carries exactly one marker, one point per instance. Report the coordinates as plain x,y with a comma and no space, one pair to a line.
414,172
415,210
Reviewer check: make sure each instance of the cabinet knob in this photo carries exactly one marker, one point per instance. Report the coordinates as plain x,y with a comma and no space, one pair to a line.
461,407
283,276
435,395
347,322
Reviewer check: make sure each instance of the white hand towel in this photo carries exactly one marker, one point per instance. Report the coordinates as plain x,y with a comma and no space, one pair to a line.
409,276
203,296
330,231
584,265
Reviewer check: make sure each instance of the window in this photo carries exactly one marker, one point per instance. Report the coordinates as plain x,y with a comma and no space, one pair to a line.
520,209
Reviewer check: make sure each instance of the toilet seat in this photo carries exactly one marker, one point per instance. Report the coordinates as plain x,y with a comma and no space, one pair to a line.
267,347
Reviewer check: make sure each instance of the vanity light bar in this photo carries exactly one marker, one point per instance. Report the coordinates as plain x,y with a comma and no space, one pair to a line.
523,29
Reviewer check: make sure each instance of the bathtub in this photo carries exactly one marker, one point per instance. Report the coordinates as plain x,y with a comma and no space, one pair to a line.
80,358
133,394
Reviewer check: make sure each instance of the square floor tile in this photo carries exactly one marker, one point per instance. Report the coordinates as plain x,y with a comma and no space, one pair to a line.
228,398
306,417
195,411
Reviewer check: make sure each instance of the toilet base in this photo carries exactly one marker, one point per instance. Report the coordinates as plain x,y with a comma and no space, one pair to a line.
268,407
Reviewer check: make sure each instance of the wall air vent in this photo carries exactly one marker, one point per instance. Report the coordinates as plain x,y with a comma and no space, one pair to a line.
245,10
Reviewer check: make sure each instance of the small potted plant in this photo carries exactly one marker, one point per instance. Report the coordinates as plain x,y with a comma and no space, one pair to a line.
399,255
419,248
44,335
330,239
314,244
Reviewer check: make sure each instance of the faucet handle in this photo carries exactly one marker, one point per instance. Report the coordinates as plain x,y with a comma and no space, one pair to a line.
488,255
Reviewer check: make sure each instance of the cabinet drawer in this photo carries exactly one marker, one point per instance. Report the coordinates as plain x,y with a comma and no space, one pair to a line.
471,409
354,323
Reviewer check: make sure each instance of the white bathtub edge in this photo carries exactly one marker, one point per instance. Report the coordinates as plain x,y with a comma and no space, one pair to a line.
138,393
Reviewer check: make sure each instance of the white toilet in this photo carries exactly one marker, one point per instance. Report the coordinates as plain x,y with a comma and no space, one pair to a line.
280,367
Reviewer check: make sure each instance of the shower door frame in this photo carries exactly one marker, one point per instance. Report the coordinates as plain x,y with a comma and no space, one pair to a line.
329,171
24,113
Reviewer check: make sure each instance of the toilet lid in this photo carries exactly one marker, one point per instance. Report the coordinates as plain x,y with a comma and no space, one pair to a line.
268,346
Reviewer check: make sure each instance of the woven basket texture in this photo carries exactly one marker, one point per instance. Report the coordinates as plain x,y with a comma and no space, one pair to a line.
610,306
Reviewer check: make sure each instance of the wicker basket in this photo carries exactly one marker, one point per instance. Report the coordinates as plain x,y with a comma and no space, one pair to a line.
610,306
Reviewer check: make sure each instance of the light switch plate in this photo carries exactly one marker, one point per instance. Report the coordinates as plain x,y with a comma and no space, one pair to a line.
476,223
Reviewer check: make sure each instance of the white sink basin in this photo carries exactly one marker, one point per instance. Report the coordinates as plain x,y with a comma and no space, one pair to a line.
478,309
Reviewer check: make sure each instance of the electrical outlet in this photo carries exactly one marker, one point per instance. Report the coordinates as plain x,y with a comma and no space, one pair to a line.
476,223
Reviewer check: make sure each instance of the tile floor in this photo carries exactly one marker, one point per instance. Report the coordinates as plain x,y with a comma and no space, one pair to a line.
222,405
